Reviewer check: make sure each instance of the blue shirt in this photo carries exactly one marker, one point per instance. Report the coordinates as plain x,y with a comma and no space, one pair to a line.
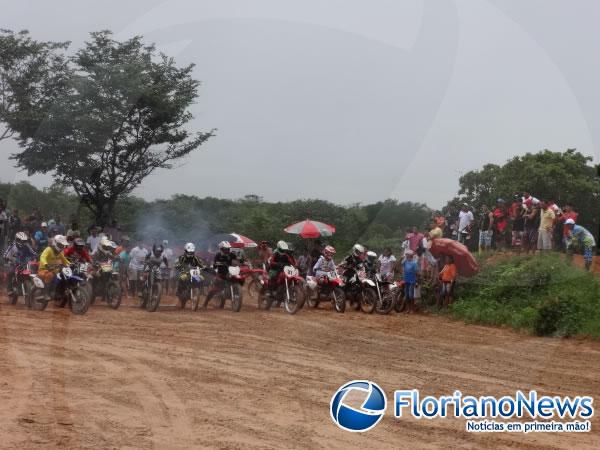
410,269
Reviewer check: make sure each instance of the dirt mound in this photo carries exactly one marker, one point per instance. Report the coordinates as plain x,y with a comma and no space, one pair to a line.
177,379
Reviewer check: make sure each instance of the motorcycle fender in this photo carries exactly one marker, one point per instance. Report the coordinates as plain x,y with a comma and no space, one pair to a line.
38,282
369,282
312,284
76,278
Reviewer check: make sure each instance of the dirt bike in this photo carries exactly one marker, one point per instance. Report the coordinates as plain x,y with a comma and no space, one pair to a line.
68,289
231,289
151,289
330,286
255,284
386,294
288,289
354,288
25,281
106,284
191,288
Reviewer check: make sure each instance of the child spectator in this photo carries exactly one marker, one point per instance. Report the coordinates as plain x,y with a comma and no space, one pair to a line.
447,277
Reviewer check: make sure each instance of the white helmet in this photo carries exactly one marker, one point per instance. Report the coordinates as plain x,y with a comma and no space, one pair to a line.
21,236
569,222
283,246
224,245
189,249
358,250
60,242
371,255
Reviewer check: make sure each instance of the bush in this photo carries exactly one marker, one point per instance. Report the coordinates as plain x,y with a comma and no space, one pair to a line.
543,294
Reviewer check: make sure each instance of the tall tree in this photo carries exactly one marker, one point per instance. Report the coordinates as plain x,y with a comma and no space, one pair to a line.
31,74
123,115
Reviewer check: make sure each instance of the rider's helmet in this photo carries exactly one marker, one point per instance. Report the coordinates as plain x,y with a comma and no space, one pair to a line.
371,256
283,246
358,250
59,243
328,252
157,250
79,244
107,245
225,247
20,239
189,249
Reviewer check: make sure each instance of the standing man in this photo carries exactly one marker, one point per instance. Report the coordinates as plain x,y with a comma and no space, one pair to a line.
167,269
93,239
500,223
137,259
546,226
486,230
465,221
41,237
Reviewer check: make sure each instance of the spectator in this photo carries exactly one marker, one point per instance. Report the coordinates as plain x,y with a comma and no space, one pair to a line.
93,240
137,258
304,262
532,224
41,237
500,215
410,269
465,221
387,263
486,230
415,240
518,221
113,232
546,226
447,277
567,213
581,238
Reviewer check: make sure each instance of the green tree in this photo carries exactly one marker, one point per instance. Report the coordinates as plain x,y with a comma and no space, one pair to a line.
566,177
122,116
31,74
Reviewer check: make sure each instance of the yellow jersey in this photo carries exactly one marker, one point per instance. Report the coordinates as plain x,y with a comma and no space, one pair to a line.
49,257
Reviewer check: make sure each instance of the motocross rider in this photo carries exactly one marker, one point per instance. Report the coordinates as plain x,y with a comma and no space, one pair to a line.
281,257
223,260
354,261
325,263
18,255
52,260
185,262
78,251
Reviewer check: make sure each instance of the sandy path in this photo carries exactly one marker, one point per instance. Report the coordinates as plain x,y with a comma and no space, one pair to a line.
176,379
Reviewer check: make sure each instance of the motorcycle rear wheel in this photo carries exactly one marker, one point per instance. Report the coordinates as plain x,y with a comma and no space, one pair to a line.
386,304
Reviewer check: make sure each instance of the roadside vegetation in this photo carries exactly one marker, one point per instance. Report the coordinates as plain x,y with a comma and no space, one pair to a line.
542,294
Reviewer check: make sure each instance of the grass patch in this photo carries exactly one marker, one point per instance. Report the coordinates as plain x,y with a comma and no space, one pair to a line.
542,294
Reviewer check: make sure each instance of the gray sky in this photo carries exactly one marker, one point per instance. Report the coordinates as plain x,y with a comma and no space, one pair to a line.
355,101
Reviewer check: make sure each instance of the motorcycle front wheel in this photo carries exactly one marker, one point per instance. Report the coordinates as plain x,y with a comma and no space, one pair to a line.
37,299
113,295
296,300
339,300
154,298
236,301
195,298
368,300
80,302
386,304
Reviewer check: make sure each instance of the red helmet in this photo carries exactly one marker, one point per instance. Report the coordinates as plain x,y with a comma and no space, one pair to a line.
329,251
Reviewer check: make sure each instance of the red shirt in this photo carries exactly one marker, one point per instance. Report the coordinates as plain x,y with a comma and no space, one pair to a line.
500,219
83,254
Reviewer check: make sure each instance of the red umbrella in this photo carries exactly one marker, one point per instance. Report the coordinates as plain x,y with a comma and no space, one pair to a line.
236,240
310,229
465,262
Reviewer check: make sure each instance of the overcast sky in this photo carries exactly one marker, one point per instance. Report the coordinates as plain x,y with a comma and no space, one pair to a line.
355,101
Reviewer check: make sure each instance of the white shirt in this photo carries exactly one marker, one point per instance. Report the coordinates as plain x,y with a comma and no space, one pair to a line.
386,264
138,256
464,219
168,253
93,242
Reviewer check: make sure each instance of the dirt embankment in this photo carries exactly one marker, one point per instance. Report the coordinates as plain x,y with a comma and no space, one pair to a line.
177,379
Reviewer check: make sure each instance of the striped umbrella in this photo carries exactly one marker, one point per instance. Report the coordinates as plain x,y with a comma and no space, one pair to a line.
310,229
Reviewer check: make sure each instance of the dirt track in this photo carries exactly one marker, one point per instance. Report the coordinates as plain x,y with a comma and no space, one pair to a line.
176,379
